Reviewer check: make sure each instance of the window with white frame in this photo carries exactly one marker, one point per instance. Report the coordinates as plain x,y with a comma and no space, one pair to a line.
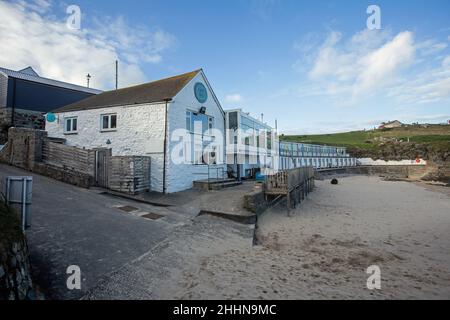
200,126
108,122
210,125
199,121
188,121
71,125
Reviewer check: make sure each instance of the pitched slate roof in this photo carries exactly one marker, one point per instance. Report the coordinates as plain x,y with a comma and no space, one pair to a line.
30,75
156,91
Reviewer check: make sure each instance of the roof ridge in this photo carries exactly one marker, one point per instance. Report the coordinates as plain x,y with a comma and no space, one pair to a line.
154,91
150,82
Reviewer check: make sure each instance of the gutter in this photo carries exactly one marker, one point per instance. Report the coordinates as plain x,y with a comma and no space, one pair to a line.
13,103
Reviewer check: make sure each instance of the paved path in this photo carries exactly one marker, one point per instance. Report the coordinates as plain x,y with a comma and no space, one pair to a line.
75,226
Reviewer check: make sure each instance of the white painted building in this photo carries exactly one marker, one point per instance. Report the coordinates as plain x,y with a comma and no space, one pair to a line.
171,120
294,155
251,144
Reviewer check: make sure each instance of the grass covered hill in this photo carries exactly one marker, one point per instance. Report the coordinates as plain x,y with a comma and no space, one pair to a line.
430,142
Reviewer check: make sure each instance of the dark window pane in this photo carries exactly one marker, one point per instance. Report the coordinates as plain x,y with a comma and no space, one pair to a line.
74,124
188,122
113,121
68,124
105,122
233,120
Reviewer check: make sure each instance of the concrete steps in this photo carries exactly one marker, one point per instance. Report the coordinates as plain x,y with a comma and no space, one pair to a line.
228,184
216,184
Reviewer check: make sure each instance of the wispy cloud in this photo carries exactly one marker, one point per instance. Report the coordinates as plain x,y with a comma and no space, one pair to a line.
263,9
372,63
359,69
233,98
33,35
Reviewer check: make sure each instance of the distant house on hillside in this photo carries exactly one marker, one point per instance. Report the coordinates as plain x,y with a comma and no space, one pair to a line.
390,125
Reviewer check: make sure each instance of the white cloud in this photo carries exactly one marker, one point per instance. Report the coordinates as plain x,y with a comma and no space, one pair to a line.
431,46
373,64
41,6
33,36
379,67
135,43
327,127
263,8
427,86
233,98
360,66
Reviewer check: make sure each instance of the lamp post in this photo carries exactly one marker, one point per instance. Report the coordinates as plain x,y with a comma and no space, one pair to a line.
88,77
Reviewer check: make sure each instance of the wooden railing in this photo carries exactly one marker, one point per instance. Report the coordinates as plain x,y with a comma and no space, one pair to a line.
295,184
282,182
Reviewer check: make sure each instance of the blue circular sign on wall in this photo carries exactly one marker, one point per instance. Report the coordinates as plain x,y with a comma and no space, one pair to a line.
200,92
51,117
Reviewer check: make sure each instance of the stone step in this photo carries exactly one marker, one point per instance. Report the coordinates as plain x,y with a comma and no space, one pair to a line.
214,184
218,186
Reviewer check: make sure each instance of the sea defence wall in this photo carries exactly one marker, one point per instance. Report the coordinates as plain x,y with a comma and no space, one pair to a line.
394,171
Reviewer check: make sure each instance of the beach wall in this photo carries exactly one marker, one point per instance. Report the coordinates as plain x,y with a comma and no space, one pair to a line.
380,162
395,171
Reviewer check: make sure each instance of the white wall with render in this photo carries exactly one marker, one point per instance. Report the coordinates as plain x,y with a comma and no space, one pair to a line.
140,131
181,176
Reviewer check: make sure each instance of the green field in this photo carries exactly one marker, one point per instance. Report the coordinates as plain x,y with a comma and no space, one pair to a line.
434,134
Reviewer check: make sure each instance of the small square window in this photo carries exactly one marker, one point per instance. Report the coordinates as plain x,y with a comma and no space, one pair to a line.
70,125
108,122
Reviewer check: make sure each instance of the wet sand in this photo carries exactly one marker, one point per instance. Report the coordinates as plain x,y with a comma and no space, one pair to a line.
323,251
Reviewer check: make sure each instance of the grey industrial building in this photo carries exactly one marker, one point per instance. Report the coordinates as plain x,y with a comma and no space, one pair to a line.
25,89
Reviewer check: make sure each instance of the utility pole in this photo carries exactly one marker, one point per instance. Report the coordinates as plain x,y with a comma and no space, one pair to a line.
88,77
117,74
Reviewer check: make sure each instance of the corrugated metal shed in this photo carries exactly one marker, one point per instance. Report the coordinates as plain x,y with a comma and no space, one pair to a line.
26,74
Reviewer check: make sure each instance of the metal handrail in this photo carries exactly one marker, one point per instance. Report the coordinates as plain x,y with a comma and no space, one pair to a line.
210,176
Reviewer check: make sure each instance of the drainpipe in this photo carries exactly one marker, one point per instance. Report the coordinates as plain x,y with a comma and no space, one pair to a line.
13,103
165,147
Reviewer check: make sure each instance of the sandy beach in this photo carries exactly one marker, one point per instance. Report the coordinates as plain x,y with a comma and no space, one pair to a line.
322,252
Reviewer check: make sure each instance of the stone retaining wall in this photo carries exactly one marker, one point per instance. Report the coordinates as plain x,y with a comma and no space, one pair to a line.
15,270
22,118
24,147
32,150
255,202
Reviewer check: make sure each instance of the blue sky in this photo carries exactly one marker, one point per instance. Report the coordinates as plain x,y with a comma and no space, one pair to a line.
313,65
